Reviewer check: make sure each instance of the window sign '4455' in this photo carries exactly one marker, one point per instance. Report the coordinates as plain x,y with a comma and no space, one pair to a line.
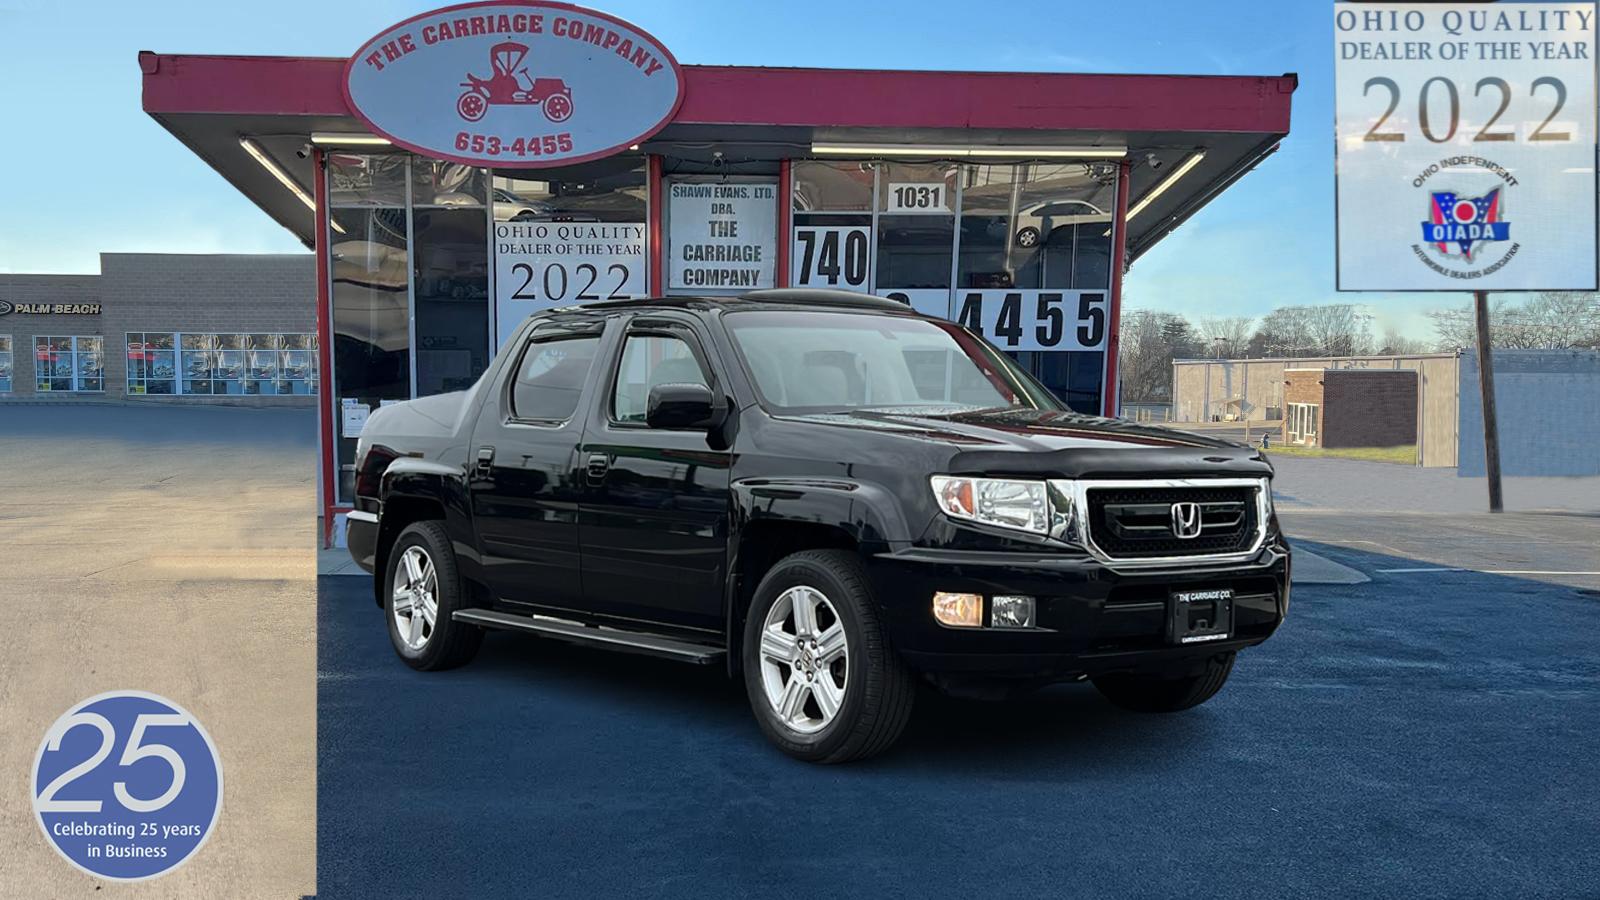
1035,319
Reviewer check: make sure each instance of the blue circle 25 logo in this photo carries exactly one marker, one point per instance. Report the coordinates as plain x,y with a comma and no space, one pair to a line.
127,785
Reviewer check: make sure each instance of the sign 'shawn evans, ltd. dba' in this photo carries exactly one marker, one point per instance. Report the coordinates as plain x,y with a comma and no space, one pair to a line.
514,84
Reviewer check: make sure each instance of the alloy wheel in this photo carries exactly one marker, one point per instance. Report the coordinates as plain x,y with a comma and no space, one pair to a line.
805,659
415,598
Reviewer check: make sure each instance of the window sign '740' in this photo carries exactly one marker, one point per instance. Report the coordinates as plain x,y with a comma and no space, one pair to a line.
1035,319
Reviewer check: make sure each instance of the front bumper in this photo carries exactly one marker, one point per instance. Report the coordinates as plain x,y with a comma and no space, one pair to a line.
1090,619
361,536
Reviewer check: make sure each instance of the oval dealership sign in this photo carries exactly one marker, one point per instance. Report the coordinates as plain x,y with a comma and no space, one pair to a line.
514,84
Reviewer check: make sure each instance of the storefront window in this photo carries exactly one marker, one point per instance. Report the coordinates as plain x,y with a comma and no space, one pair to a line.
1033,268
831,186
611,190
438,183
567,235
5,363
369,267
451,288
68,364
831,244
359,179
916,226
152,363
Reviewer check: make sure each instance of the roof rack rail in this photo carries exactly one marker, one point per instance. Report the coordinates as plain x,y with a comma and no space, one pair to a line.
822,296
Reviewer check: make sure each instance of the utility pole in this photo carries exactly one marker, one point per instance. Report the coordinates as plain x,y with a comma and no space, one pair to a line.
1491,428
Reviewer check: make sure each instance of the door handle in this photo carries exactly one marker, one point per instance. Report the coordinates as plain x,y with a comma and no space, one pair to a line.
597,466
485,466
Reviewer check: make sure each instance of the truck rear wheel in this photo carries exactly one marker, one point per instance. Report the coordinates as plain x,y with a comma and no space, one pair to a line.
823,681
1155,693
425,588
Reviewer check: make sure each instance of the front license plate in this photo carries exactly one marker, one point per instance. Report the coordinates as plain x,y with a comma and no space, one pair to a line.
1199,616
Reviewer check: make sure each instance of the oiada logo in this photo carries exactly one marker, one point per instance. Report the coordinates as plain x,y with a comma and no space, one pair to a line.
1463,230
520,83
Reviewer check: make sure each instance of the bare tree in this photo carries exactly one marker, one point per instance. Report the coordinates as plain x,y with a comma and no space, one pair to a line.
1227,336
1396,344
1552,320
1150,341
1337,329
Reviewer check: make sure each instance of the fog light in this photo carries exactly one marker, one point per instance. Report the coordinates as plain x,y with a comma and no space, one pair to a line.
958,610
1011,612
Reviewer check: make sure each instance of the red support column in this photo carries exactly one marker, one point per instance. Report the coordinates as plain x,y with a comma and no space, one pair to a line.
785,211
328,456
1119,256
658,249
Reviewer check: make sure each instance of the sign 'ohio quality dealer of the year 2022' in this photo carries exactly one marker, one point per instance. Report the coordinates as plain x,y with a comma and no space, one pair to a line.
514,84
1465,146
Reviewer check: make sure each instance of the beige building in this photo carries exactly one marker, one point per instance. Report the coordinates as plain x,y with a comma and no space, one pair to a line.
1251,390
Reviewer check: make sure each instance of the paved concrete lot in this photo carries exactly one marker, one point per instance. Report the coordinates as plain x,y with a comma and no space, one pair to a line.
167,550
1413,735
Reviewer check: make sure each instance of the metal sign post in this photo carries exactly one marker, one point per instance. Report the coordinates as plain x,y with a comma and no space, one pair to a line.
1491,427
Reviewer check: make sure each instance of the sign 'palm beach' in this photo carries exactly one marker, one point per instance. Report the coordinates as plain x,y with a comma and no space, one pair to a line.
514,84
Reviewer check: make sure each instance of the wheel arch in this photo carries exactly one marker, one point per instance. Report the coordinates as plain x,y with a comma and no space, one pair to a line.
773,518
415,490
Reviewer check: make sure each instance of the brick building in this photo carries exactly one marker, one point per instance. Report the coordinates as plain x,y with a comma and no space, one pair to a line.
1350,407
179,328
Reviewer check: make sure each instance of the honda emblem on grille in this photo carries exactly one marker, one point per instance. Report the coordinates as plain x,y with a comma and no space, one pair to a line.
1186,520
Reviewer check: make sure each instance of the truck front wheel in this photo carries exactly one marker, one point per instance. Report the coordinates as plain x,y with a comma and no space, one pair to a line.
425,588
1157,693
823,681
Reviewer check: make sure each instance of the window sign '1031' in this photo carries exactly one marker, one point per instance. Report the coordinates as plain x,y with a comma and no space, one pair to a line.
1034,319
514,83
931,197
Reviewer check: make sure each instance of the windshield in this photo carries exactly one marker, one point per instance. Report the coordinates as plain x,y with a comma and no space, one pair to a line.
836,361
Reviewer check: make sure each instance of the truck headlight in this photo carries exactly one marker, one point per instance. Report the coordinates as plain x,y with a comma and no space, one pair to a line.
1003,503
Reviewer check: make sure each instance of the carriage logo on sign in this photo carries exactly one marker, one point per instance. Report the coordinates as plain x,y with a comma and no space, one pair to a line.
514,84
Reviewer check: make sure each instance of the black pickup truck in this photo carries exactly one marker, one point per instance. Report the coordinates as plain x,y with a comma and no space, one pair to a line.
828,494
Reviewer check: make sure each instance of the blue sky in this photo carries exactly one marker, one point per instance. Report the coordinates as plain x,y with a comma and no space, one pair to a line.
87,170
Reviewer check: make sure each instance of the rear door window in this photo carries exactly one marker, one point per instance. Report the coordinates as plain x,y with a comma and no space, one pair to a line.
551,376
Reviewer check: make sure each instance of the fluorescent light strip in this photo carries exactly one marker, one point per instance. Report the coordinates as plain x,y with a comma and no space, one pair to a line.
968,152
1169,181
267,162
342,139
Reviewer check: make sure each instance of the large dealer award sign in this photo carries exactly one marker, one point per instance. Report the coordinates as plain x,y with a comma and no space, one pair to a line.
514,84
1465,146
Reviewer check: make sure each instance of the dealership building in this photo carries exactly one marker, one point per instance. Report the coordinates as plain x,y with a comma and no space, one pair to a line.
472,165
164,328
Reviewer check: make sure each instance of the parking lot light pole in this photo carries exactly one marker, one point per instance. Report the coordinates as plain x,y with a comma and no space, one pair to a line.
1491,428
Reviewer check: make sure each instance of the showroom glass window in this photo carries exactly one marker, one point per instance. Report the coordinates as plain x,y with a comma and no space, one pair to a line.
1042,225
369,270
916,228
69,364
598,211
450,274
5,364
152,362
831,240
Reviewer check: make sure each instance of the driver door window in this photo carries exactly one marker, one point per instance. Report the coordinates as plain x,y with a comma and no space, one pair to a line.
649,360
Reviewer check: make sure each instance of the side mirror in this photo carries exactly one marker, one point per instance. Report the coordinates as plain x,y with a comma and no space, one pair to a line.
680,406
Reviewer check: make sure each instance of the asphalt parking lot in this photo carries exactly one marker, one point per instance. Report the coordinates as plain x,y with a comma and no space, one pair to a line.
165,549
1426,732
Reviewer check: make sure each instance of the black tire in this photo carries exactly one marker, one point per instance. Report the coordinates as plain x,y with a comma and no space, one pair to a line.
449,643
1158,694
1028,237
878,687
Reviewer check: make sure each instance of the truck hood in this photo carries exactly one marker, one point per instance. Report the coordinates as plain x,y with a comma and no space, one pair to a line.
1020,441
